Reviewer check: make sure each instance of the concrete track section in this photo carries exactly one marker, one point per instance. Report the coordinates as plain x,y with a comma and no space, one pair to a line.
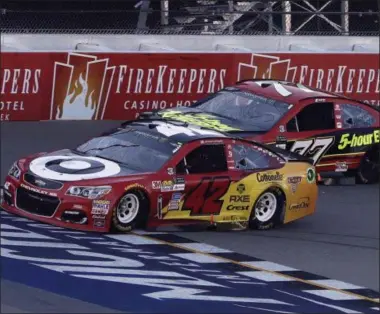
324,263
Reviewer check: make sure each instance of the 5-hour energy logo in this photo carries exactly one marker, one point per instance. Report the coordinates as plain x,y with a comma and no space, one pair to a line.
348,140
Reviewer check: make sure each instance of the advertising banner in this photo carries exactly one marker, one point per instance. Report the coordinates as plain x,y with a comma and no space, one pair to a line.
118,86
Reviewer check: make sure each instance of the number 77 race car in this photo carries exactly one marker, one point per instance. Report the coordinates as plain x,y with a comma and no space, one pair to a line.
339,134
153,172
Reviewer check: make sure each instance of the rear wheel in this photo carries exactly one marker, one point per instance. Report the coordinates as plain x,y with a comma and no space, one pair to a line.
130,212
267,210
369,168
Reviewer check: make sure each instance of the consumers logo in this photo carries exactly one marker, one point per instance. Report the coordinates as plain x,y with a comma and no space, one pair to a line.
266,67
81,88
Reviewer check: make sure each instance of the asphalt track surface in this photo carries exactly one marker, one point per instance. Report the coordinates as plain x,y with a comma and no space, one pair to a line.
341,241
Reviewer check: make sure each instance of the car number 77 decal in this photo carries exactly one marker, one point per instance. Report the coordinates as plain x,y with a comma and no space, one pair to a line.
314,148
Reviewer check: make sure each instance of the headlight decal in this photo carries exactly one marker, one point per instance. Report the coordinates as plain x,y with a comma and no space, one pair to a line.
89,192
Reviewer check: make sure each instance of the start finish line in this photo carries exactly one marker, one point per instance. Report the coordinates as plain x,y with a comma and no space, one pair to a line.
140,274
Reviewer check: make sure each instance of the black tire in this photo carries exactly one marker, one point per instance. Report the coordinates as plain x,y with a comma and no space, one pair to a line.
138,219
274,219
368,172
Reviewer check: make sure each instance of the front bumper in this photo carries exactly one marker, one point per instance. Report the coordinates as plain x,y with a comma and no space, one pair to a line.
51,208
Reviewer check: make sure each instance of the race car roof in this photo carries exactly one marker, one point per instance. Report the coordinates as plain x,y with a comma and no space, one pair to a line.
174,131
282,90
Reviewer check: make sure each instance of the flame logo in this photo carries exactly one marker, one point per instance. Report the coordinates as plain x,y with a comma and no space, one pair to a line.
81,88
78,105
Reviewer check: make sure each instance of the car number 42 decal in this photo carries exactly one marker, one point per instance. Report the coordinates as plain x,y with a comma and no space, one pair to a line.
314,148
204,198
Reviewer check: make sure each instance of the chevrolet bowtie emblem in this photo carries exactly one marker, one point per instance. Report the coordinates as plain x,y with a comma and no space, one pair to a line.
40,182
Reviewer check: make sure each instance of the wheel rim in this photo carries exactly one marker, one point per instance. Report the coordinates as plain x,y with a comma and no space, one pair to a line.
128,208
266,207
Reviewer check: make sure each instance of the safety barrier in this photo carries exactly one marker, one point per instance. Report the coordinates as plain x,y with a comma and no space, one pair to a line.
115,85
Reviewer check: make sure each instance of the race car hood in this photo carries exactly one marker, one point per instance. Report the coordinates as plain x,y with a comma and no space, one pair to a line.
66,165
208,120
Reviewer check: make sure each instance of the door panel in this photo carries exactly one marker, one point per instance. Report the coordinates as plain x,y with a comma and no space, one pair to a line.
206,177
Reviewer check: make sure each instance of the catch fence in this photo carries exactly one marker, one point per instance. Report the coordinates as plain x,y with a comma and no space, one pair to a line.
208,17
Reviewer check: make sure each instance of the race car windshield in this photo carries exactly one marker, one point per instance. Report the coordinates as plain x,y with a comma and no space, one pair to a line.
245,107
135,149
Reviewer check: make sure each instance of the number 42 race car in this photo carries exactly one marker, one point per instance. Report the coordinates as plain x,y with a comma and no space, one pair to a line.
154,172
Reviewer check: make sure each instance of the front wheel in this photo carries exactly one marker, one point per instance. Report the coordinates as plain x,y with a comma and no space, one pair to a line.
368,171
130,212
267,210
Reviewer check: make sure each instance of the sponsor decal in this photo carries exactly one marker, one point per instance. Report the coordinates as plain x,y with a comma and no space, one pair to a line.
98,217
269,177
240,188
282,129
341,167
99,223
234,218
156,185
101,204
82,86
281,141
310,175
135,186
33,189
171,171
69,168
354,140
176,196
7,185
77,206
179,184
72,212
294,182
338,116
100,207
240,198
99,213
233,207
173,205
302,203
174,202
213,142
201,119
167,185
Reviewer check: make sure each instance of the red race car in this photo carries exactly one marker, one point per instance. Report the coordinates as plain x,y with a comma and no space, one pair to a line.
153,172
339,134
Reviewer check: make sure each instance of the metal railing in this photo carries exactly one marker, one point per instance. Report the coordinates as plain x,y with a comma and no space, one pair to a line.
261,17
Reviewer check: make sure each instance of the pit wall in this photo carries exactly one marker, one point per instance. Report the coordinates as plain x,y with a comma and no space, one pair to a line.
60,77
